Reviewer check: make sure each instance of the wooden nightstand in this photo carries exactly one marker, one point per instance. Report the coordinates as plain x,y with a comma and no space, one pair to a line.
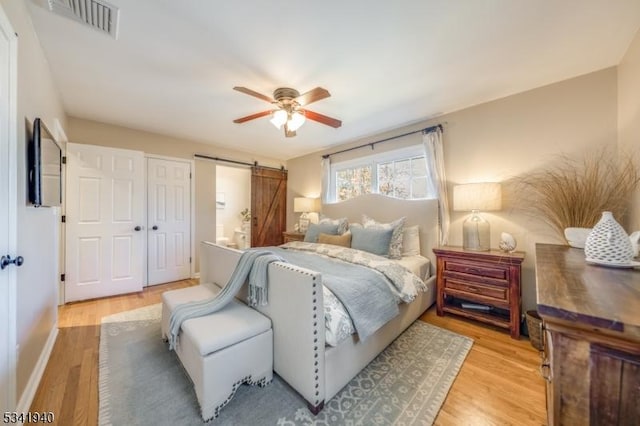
490,279
292,236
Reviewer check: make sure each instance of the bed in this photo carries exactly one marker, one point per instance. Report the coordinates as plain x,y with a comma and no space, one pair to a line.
296,304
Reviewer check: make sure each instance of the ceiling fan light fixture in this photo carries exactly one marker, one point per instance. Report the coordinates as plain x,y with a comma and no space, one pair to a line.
297,119
279,118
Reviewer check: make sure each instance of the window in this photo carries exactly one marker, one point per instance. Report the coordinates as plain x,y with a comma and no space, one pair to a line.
401,174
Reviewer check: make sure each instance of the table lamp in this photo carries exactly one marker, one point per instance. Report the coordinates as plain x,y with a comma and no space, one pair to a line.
475,197
305,206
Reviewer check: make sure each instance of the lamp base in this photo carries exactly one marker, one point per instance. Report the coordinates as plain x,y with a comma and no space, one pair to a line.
476,233
303,223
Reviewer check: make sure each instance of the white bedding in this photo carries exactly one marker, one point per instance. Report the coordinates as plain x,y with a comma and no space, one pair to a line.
338,325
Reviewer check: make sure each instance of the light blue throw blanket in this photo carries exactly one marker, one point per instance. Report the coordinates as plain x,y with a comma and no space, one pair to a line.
252,264
363,291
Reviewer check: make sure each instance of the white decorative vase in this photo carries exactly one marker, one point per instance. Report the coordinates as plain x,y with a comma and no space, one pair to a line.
608,243
507,242
577,237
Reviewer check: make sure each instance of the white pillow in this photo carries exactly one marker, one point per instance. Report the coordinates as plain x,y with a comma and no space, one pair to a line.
411,241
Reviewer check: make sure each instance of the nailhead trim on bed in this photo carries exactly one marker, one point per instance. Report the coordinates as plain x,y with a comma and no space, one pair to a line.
315,340
315,322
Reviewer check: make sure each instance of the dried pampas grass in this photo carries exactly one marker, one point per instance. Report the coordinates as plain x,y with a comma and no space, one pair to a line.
574,192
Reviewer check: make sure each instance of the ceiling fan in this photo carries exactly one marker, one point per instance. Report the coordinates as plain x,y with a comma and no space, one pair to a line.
289,111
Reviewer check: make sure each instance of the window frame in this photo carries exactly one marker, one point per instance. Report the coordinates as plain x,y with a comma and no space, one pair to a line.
374,160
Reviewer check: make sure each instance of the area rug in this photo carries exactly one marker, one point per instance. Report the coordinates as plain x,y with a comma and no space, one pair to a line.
141,382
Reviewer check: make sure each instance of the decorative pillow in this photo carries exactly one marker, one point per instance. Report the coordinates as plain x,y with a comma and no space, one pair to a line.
372,240
342,223
397,226
411,241
316,229
343,240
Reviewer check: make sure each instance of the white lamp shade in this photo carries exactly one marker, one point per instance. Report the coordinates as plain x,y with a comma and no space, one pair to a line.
477,196
279,118
297,120
304,205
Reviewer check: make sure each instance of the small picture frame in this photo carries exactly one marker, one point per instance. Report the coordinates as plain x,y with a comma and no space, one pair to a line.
304,225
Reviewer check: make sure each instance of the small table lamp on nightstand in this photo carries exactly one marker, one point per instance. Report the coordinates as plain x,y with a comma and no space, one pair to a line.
474,197
305,206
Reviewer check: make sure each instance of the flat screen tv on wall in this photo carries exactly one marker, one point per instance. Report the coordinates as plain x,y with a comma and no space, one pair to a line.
44,167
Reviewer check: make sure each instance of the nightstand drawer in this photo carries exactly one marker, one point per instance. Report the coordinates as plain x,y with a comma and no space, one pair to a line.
292,236
462,288
482,270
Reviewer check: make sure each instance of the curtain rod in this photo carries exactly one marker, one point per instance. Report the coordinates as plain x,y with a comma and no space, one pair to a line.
371,144
241,163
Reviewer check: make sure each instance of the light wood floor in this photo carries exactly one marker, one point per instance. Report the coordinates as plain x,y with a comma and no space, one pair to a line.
498,384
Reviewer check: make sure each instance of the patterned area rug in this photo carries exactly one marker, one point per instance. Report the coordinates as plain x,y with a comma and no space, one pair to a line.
141,382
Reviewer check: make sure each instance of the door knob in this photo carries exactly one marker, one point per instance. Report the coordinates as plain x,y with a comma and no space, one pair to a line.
7,260
155,227
138,228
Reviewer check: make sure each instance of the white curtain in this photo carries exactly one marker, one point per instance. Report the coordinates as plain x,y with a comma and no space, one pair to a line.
326,179
434,154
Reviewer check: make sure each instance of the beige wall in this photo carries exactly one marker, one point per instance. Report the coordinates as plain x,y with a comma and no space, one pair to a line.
500,140
38,236
95,133
629,118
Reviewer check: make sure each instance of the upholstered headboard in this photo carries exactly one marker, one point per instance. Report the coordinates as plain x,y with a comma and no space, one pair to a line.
423,213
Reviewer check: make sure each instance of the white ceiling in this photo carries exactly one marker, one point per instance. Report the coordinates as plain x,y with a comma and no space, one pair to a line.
386,63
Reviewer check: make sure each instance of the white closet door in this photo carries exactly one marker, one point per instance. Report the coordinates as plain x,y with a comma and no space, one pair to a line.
7,215
168,220
105,221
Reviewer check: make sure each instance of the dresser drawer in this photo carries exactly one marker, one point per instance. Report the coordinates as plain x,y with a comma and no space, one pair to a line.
465,288
483,270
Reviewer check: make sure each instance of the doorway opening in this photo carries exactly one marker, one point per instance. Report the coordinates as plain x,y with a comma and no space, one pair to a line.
233,206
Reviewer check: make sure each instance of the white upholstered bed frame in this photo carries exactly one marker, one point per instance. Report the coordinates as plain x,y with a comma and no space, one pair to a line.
296,307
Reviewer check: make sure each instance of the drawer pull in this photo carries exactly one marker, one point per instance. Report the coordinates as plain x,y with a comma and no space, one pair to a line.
545,371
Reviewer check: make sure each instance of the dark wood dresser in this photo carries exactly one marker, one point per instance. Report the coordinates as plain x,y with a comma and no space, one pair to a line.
481,285
591,316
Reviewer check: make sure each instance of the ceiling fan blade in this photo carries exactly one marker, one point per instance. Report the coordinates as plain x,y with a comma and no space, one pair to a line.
312,96
252,93
333,122
252,116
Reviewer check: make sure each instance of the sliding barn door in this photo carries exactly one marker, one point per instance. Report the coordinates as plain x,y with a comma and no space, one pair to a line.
268,206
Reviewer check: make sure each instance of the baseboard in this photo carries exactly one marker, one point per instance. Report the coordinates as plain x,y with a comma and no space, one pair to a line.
196,276
24,404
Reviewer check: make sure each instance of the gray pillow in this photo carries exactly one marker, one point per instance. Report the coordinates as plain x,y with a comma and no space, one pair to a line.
395,246
316,229
372,240
342,223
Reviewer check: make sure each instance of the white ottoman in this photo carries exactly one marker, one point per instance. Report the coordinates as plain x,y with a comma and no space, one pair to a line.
173,298
223,350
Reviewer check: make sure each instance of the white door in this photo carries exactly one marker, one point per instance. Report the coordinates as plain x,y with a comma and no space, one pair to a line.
105,222
8,188
168,220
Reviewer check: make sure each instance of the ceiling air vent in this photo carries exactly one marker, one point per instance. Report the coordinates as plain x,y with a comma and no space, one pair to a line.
97,14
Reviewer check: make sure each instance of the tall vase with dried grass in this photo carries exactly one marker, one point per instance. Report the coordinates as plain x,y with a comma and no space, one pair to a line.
573,192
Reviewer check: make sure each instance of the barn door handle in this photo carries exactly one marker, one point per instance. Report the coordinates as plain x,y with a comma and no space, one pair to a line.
255,221
155,227
7,260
